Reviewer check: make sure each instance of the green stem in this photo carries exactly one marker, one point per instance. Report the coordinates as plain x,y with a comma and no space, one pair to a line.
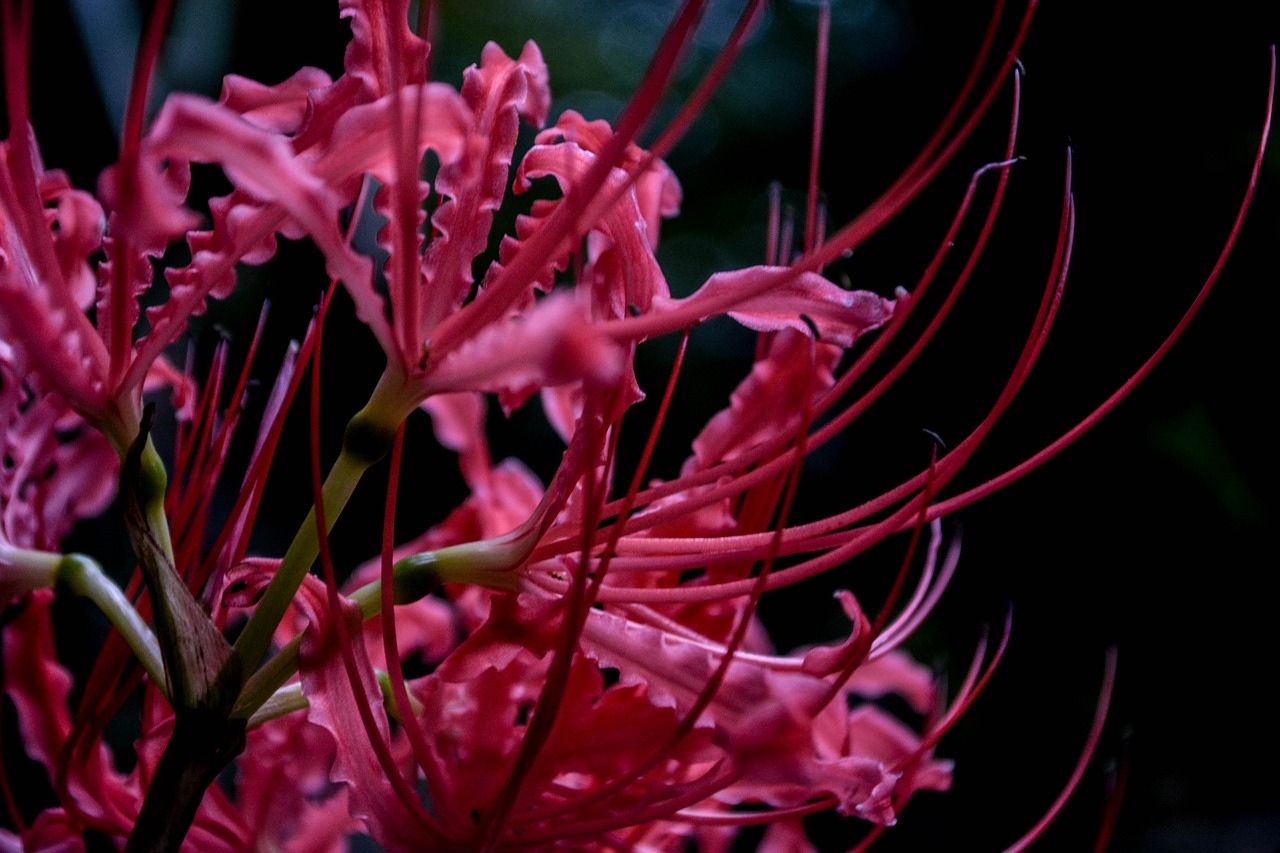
286,700
270,678
488,563
255,639
82,576
23,570
367,439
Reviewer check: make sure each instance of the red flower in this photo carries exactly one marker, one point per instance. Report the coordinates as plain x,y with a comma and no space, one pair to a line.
589,668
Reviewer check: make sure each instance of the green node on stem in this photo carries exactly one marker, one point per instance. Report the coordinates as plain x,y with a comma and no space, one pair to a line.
368,437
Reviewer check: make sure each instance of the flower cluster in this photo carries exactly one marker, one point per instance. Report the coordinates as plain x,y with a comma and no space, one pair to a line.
572,664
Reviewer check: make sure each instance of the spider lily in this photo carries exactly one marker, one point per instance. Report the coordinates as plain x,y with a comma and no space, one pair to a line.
599,677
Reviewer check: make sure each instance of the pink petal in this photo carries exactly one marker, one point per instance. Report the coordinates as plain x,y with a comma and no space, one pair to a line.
282,783
39,688
552,344
52,832
499,93
259,163
78,223
898,674
333,707
657,191
769,401
58,469
630,275
840,316
280,108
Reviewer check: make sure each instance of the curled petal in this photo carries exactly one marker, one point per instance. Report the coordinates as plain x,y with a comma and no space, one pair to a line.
281,108
77,222
499,93
259,163
826,660
769,401
552,344
657,191
149,200
51,832
333,707
620,239
807,303
359,140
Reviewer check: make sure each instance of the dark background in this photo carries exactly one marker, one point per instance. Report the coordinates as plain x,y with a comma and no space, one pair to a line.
1153,533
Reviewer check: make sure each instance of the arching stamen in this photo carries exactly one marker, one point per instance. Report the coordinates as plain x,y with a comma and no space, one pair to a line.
819,107
928,594
576,607
1068,438
948,467
774,226
390,639
744,617
900,581
1117,782
380,747
862,644
1086,754
776,449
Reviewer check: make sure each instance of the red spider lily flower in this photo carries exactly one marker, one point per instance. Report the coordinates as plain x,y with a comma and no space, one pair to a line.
578,664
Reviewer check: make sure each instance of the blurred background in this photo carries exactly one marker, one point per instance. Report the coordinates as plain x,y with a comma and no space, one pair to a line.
1154,533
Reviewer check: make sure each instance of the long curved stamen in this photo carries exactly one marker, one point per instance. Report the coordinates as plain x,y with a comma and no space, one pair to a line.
1068,438
1086,754
815,143
774,450
390,638
775,456
380,747
690,717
